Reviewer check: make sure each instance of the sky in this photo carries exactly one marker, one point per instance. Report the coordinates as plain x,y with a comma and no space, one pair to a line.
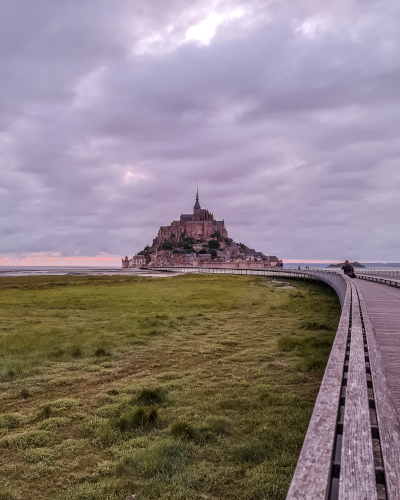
286,114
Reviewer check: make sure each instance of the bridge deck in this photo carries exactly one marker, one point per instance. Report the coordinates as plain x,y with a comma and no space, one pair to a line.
383,305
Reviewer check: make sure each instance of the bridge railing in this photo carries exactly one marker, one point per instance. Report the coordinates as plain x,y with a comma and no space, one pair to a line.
381,272
352,446
379,279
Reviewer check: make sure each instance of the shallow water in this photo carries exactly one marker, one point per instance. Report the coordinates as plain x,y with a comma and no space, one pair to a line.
76,271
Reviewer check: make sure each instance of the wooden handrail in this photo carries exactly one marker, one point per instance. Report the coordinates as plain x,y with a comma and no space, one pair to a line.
357,471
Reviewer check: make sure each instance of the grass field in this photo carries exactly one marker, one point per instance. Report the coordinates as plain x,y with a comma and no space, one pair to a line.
188,387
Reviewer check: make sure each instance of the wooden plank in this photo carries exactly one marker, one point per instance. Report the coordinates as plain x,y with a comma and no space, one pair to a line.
357,471
312,475
389,428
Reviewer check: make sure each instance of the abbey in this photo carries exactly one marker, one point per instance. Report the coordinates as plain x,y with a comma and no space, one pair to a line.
200,225
197,239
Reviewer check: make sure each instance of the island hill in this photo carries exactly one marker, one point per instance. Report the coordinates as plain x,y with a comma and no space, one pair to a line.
198,240
353,264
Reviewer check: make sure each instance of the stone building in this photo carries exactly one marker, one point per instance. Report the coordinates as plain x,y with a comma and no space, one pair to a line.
200,225
135,261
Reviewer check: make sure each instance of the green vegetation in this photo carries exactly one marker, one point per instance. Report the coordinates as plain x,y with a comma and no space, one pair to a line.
213,244
187,387
165,245
216,234
145,251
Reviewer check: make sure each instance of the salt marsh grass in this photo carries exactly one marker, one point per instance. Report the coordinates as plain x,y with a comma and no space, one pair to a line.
185,388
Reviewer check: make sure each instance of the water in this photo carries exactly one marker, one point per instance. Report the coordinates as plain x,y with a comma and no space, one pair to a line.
368,265
74,271
109,271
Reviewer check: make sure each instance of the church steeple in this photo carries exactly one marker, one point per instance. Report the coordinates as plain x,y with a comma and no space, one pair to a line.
197,204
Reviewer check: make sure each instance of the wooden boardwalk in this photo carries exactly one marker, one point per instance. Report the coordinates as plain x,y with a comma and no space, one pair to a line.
383,305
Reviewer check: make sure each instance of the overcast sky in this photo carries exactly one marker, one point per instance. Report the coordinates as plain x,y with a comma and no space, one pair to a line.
287,114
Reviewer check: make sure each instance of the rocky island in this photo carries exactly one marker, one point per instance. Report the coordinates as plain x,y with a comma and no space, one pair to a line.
198,239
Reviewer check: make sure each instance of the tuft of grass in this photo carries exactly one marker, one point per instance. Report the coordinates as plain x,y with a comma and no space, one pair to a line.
165,457
170,375
113,392
101,352
315,325
106,434
76,351
255,451
11,420
72,445
24,393
137,417
36,455
312,351
6,494
54,423
219,425
63,381
46,411
151,397
110,410
57,353
88,491
183,430
38,471
65,404
27,439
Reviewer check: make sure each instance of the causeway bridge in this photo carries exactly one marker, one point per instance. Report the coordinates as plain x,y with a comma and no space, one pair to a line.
352,447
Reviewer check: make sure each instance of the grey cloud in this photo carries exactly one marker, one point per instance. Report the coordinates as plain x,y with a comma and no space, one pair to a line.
293,139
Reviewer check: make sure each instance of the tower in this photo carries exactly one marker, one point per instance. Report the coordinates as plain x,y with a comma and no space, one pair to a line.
196,208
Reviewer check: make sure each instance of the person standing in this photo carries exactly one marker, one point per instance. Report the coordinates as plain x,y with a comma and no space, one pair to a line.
348,269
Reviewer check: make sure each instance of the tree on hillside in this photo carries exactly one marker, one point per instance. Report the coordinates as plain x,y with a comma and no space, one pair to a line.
165,245
145,251
186,241
213,244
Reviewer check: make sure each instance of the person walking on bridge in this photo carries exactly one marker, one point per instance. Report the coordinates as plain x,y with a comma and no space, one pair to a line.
348,269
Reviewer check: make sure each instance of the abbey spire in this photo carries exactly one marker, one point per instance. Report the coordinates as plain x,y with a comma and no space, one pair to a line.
197,204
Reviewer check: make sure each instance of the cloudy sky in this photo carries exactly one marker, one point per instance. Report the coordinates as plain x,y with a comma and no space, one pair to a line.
287,114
